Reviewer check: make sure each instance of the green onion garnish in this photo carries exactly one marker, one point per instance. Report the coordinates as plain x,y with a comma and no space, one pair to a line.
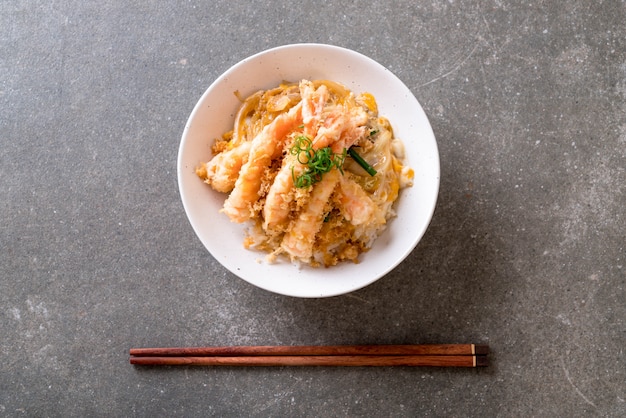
317,162
370,170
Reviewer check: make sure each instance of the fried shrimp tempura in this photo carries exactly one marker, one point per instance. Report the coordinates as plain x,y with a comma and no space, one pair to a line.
288,175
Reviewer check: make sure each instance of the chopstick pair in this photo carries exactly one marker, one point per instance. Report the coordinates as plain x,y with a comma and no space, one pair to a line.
435,355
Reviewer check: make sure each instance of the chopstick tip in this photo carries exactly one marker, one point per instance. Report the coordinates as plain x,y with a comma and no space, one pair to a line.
482,361
481,349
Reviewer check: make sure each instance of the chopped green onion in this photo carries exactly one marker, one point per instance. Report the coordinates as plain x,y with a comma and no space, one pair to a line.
317,162
370,170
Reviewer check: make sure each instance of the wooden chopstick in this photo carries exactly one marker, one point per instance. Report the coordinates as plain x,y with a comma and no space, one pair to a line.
315,350
442,355
339,360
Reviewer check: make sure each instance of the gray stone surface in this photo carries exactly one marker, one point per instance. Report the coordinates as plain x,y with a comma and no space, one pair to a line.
525,251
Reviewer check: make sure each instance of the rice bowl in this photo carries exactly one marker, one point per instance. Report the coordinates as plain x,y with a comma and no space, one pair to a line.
214,114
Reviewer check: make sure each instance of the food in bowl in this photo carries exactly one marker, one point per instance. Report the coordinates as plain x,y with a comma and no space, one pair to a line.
312,168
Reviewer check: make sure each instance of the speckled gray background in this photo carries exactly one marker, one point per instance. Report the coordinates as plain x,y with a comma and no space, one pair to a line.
525,251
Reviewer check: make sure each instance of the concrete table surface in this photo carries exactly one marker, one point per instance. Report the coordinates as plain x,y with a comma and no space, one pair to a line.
525,251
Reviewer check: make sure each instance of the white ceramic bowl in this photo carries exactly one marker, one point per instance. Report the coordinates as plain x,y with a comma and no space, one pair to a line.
214,114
